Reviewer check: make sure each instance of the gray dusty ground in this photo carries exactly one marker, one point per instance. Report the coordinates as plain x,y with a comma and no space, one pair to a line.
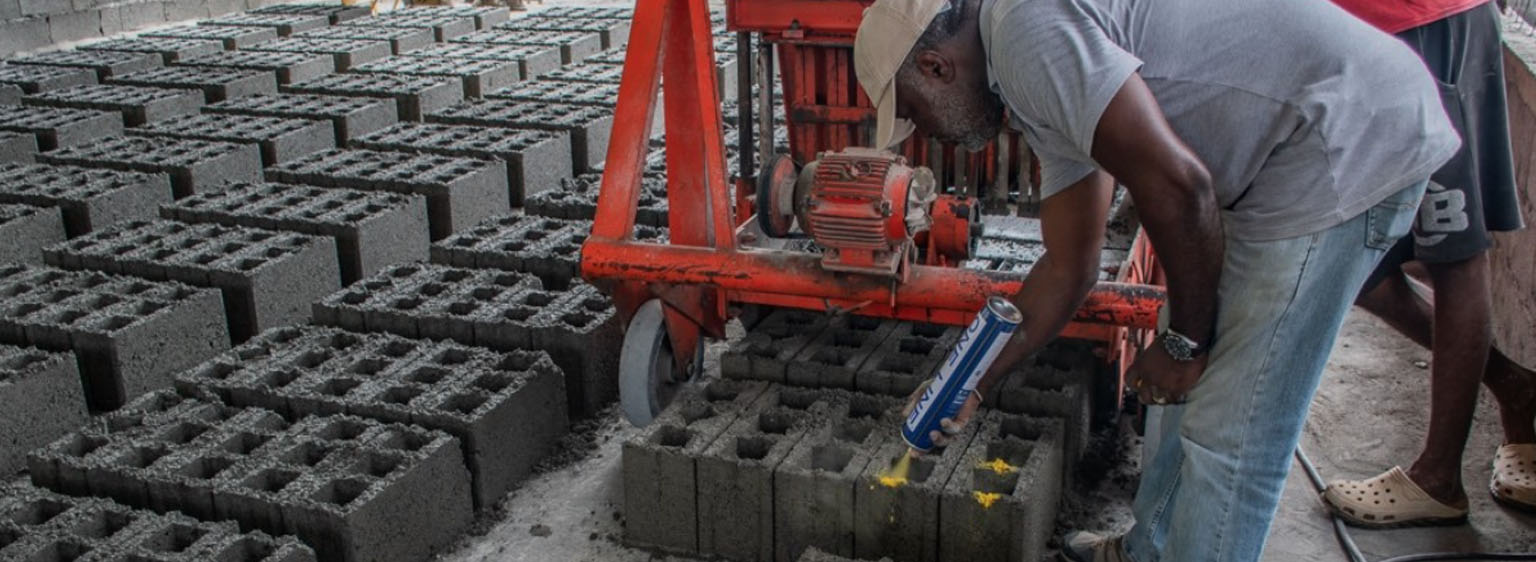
1369,414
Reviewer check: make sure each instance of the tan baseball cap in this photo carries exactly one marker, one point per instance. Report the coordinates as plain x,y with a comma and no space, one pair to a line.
886,35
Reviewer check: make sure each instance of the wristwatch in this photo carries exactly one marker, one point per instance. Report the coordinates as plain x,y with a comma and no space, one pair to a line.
1179,346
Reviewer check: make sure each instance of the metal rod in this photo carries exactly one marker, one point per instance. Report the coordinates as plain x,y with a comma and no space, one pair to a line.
744,103
765,80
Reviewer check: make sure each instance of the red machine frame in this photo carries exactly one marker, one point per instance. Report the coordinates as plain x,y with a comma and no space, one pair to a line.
709,263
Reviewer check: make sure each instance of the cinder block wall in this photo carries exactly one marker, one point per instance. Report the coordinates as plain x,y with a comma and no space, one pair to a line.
1514,255
32,25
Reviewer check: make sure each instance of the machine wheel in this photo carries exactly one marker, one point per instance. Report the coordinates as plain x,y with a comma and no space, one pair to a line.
775,195
648,377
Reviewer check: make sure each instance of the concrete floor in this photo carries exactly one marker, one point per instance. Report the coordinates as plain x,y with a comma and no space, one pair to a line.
1369,415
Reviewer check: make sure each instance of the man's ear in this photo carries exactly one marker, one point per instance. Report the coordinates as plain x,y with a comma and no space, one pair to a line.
935,66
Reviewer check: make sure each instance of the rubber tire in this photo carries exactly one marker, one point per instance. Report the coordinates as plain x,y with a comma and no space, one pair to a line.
645,366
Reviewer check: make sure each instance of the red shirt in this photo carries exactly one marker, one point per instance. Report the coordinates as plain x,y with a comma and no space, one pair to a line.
1394,16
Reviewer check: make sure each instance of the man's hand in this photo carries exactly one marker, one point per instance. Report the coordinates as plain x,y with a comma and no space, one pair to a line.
1159,379
948,427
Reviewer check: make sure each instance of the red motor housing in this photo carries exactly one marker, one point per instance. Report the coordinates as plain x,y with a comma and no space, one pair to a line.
854,205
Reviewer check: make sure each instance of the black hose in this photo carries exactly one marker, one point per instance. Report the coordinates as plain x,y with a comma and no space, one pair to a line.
1353,552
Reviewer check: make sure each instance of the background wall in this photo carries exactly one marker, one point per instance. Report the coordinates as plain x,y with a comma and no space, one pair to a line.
30,25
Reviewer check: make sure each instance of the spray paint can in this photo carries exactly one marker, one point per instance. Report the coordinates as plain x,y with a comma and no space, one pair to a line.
961,371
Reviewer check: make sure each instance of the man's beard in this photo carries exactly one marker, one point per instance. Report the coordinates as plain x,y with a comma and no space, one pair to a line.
970,122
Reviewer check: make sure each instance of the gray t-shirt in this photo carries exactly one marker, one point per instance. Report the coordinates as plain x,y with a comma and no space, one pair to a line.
1304,115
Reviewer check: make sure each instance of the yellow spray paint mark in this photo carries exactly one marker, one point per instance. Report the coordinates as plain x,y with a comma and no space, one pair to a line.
1000,466
985,499
895,476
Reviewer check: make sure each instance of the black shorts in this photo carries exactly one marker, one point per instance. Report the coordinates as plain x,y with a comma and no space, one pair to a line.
1475,192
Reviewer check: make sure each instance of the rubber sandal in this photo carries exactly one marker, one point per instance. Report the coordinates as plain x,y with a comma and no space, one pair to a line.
1514,477
1388,501
1083,546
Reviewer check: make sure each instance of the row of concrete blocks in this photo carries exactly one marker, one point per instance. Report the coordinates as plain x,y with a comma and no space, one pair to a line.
42,397
129,336
549,248
500,310
576,199
351,488
507,409
891,358
37,524
754,471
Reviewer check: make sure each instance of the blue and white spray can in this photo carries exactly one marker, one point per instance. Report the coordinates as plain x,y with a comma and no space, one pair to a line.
961,371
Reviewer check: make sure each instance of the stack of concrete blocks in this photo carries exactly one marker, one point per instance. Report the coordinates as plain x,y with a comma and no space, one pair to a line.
588,127
575,46
344,53
283,24
501,310
233,37
484,16
351,116
532,60
590,71
460,191
546,247
41,391
89,198
1058,382
1003,511
54,127
279,139
27,230
613,32
660,464
137,105
536,160
194,166
44,525
169,49
334,12
593,94
216,83
836,356
352,488
769,347
106,64
17,147
34,79
268,278
128,335
371,229
415,96
401,39
576,199
479,76
474,394
288,67
443,28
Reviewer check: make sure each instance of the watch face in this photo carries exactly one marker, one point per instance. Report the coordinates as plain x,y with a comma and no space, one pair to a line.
1177,347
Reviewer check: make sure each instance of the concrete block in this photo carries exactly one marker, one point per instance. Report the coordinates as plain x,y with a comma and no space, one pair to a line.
194,166
27,230
580,320
128,335
289,67
460,191
401,39
814,488
577,199
835,357
17,147
216,83
600,12
587,72
1001,502
484,16
900,519
479,76
279,139
372,230
532,60
10,95
351,116
1057,383
24,34
336,13
58,127
34,79
661,495
767,350
574,46
594,94
443,28
345,53
74,26
415,96
535,160
137,104
233,37
44,401
283,24
908,357
735,474
88,198
268,278
170,50
613,33
589,127
542,246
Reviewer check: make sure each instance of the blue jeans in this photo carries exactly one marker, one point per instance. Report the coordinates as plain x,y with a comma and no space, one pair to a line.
1215,478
